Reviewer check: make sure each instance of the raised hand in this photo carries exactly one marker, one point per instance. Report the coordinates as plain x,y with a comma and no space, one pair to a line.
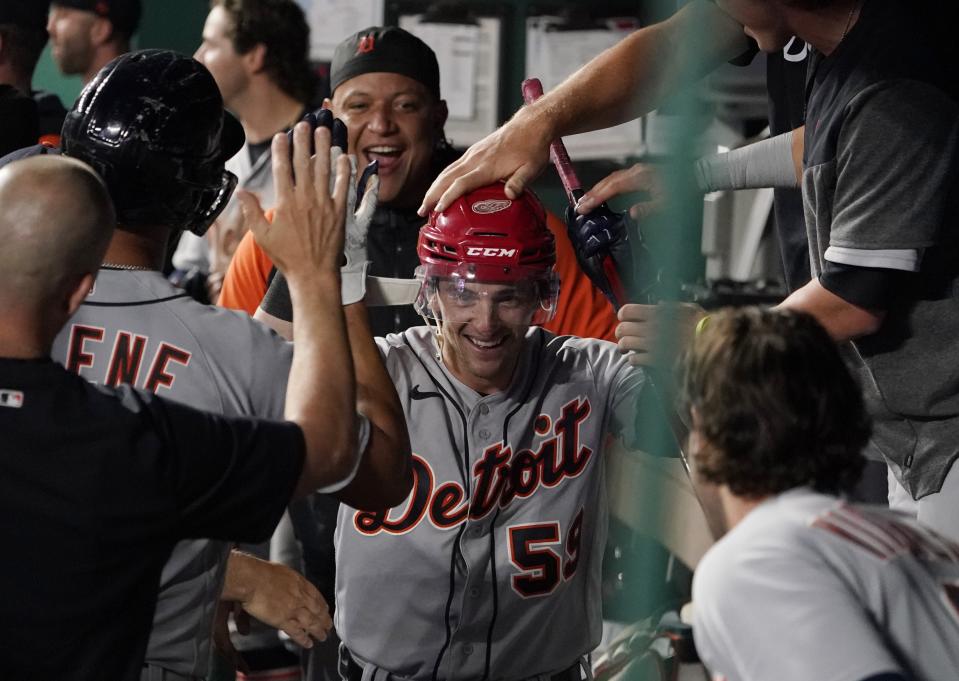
306,235
517,153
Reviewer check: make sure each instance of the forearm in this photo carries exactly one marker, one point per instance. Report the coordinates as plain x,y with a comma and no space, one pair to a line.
767,163
638,73
239,582
841,319
384,477
324,408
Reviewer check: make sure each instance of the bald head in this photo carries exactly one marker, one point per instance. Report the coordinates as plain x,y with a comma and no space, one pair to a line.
56,222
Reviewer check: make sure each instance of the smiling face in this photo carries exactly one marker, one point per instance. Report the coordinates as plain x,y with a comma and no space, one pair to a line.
762,20
395,120
483,330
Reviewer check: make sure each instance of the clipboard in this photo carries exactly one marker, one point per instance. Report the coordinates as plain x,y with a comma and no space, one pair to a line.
468,50
555,48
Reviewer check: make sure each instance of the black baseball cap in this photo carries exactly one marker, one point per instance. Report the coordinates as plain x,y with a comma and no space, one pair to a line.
29,14
123,14
387,49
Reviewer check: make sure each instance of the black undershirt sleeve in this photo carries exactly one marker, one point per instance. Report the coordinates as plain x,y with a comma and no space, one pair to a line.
871,288
746,58
890,676
277,300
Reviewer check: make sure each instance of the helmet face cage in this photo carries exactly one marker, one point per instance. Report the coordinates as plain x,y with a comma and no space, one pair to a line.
525,296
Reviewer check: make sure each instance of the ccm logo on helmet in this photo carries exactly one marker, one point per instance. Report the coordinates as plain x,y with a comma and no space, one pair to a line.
491,206
491,252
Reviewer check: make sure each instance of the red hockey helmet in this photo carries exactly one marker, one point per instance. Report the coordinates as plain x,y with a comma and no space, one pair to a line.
485,237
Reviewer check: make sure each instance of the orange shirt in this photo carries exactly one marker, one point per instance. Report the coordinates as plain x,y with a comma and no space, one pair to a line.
245,282
581,310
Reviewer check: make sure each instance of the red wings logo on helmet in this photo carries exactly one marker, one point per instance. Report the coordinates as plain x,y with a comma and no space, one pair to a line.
366,45
491,206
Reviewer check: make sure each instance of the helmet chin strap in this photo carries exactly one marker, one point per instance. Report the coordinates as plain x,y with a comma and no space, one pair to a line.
437,335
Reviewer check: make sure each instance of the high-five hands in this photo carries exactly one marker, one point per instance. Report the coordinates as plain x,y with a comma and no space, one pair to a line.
306,235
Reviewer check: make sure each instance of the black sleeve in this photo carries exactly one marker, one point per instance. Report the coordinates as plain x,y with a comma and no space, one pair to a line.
746,58
871,288
231,478
277,301
891,676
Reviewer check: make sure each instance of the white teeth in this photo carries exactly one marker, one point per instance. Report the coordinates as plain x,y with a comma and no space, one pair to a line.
486,344
383,150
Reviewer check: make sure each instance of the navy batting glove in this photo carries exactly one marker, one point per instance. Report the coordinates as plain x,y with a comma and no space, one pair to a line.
600,230
338,133
600,240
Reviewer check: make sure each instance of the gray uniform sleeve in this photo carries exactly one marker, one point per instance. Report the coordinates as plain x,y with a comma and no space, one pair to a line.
896,164
755,610
621,383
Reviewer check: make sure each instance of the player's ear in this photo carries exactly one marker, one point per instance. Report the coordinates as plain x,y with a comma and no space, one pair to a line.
327,103
80,291
255,58
100,30
440,113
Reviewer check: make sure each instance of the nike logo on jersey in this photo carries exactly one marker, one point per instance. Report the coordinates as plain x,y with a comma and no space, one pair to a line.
796,50
125,361
415,394
499,477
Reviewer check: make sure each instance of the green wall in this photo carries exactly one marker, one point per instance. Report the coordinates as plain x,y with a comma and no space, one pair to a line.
172,24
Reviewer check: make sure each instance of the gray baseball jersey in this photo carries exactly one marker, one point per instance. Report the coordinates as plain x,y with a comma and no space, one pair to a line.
491,567
136,328
809,587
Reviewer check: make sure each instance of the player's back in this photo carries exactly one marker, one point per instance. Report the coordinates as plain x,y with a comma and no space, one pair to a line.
808,586
136,328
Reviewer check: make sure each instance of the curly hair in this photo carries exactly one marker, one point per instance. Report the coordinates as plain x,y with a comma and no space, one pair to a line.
775,405
281,26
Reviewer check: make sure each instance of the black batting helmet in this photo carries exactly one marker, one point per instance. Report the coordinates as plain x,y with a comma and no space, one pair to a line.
152,124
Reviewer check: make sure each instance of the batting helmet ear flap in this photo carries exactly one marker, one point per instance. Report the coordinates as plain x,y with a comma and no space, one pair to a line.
211,201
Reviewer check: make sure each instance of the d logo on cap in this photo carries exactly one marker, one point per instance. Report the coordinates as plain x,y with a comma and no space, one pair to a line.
366,44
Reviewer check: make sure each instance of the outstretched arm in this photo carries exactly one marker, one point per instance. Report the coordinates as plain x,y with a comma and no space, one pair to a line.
385,475
305,241
622,83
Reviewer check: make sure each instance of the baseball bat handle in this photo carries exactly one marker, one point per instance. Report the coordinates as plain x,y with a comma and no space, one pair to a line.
533,90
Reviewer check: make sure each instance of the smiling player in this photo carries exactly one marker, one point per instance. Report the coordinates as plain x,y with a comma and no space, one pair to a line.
491,567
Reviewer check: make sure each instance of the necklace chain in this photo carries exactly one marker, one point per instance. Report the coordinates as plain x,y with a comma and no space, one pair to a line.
852,12
117,266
